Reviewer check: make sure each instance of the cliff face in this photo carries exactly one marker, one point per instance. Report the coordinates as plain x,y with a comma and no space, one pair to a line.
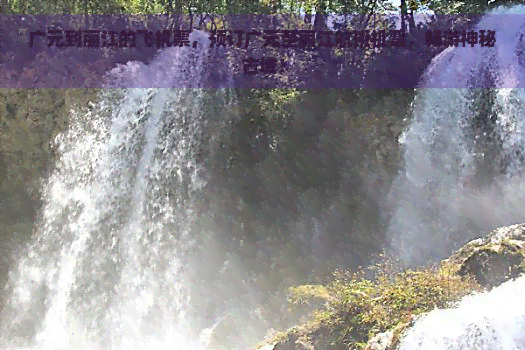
373,315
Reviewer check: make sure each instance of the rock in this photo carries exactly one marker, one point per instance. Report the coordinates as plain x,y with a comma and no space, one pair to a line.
390,340
382,341
494,259
290,344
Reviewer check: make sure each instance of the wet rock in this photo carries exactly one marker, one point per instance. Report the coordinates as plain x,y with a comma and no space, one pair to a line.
390,340
493,259
289,344
382,341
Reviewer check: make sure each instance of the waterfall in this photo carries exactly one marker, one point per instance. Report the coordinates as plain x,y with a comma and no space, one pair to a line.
464,177
103,270
463,152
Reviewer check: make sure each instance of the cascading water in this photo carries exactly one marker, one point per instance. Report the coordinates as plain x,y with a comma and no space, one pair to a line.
104,268
491,321
464,177
463,173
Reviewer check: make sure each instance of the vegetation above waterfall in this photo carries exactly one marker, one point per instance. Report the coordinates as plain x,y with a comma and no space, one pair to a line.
241,6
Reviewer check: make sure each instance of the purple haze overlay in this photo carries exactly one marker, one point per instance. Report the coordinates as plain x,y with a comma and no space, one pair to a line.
43,66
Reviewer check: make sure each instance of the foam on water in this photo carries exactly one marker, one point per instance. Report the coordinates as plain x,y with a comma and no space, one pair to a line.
492,320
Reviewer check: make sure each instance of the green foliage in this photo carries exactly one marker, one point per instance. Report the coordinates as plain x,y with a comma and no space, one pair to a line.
306,293
193,6
357,308
467,6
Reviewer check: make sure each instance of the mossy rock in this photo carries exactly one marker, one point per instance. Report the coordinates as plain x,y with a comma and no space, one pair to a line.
290,340
491,260
293,344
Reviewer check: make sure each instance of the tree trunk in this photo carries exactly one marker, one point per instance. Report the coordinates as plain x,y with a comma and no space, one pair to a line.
175,10
403,15
320,16
412,22
327,68
307,18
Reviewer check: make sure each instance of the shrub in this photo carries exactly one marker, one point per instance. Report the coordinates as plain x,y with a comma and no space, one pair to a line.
356,307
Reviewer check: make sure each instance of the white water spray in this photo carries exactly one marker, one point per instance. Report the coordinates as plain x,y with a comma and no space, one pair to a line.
104,268
463,180
490,321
